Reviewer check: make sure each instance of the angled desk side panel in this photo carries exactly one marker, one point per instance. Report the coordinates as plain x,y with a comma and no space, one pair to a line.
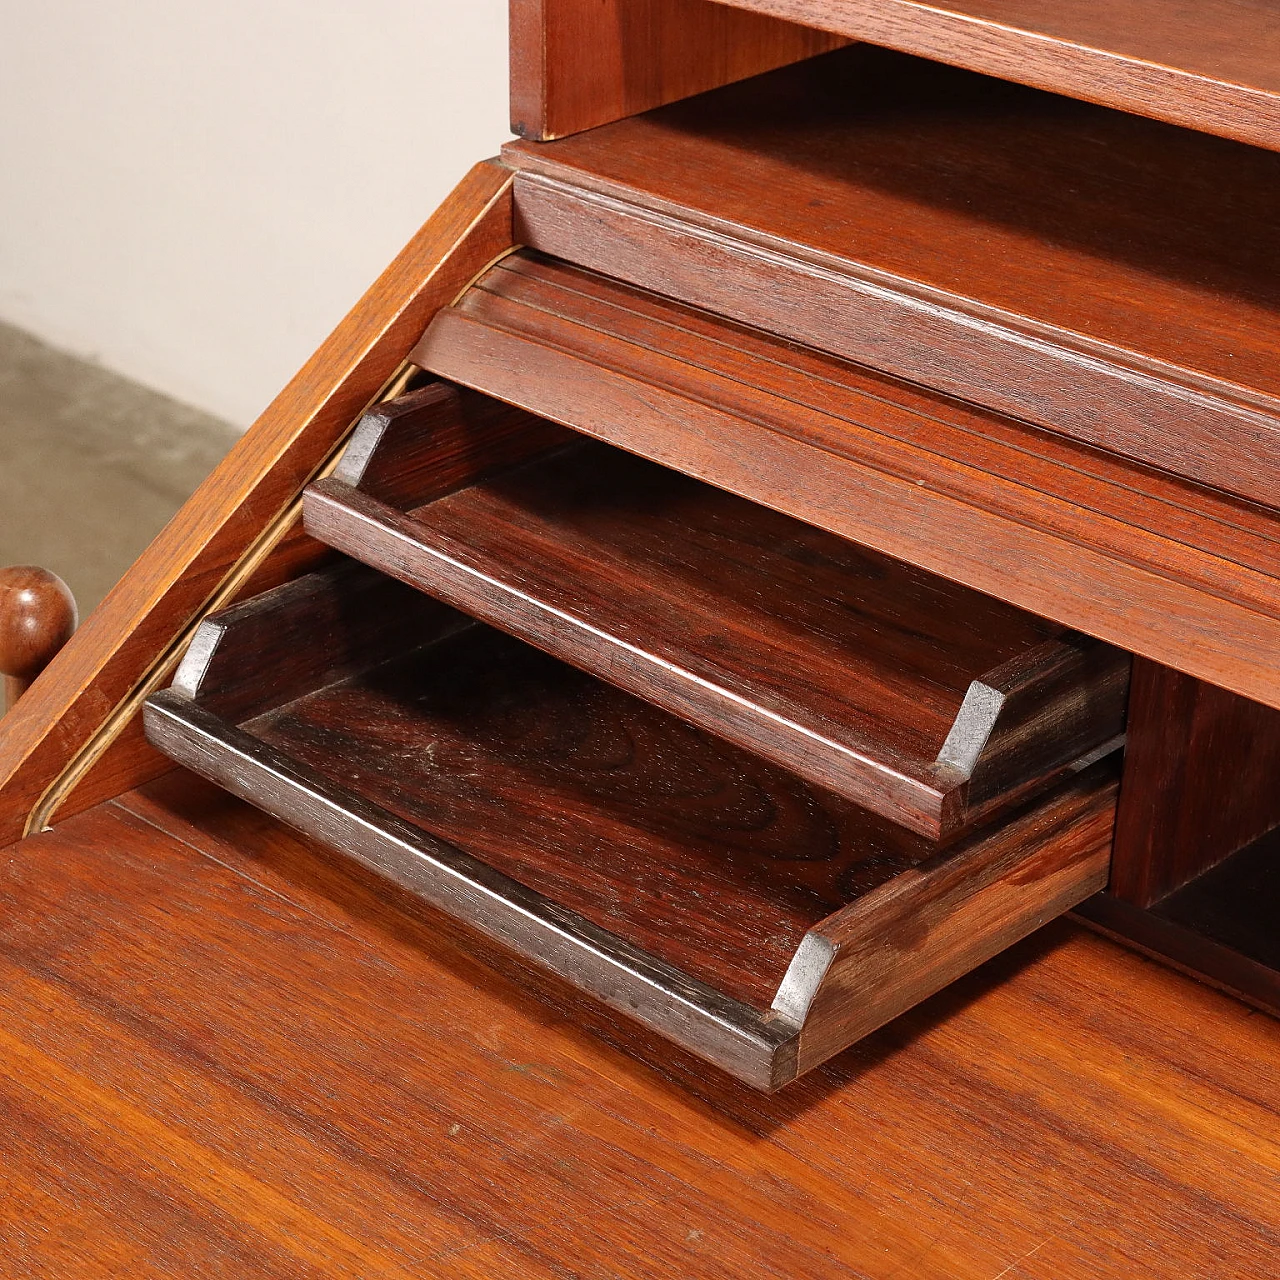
75,738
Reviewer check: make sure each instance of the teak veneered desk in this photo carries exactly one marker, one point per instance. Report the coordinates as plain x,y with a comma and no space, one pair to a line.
799,522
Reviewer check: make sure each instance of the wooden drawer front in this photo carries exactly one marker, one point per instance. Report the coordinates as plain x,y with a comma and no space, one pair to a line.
758,920
1102,276
921,700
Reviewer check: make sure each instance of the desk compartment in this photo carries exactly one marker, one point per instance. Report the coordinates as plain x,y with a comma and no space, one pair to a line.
758,920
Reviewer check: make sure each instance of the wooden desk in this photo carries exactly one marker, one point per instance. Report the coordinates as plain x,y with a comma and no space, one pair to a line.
217,1059
1020,343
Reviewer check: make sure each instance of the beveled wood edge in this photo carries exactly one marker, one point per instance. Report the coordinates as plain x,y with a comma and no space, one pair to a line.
756,1048
68,722
389,620
368,433
874,959
1134,383
992,725
988,698
216,630
437,439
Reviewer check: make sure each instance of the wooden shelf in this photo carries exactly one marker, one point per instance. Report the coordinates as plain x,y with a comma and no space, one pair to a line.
1104,276
1107,547
919,699
1213,66
758,921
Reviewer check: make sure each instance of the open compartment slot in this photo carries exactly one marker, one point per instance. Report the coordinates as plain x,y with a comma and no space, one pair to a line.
916,698
756,919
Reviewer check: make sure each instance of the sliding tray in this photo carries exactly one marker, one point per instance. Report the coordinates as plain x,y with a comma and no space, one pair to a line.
921,700
758,921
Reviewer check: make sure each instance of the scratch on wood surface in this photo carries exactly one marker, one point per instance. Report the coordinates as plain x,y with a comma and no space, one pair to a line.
1018,1261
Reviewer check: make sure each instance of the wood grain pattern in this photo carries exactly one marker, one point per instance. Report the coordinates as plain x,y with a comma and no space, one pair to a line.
438,438
222,1053
580,63
1029,253
116,651
37,617
304,635
1213,66
913,697
1201,780
882,954
540,932
1109,548
647,863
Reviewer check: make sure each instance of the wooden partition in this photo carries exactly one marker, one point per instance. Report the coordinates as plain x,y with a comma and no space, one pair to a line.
579,63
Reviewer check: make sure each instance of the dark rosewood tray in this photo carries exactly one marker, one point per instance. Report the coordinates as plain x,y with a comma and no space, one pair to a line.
914,697
759,921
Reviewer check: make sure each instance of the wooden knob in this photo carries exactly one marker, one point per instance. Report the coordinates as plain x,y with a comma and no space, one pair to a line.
37,617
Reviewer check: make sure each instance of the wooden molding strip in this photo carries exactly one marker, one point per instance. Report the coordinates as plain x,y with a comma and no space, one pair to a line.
1108,547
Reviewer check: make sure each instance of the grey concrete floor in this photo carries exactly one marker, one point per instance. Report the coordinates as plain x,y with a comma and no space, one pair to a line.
91,465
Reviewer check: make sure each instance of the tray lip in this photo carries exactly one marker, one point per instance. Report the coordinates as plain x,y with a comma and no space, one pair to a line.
756,1046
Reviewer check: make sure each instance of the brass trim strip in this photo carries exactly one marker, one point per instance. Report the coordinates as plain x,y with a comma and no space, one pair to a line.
488,266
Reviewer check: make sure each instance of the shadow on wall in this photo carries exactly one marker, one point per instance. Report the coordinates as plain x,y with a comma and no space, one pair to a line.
92,465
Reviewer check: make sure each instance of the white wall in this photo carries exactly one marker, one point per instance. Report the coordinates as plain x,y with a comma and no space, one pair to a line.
194,193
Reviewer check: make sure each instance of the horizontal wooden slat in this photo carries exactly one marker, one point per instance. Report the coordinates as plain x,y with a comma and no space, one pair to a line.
1214,65
1099,275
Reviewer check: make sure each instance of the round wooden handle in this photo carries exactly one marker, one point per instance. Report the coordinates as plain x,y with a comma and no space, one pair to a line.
37,617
